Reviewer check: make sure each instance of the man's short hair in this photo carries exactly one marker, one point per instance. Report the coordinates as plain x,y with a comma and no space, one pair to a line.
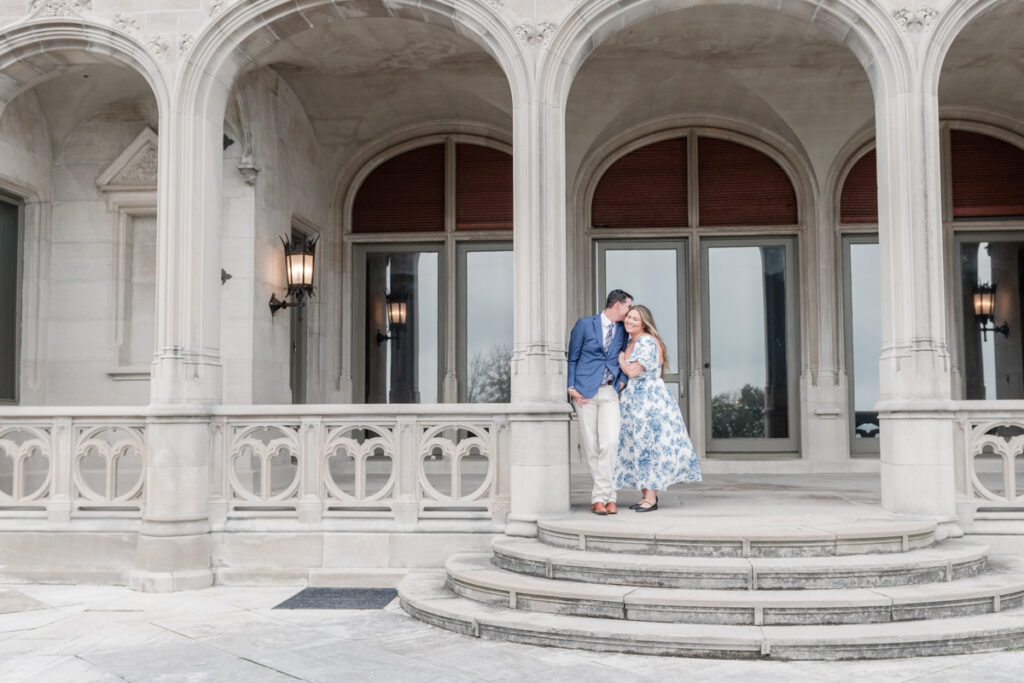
617,296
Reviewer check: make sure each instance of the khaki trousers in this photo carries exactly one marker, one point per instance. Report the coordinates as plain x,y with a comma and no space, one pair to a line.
599,437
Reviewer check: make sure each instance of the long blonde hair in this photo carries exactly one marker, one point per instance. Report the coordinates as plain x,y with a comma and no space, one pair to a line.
647,320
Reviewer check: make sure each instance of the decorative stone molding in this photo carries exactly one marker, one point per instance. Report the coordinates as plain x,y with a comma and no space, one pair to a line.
129,185
495,4
58,8
912,21
135,168
159,46
126,23
185,44
142,172
535,34
249,170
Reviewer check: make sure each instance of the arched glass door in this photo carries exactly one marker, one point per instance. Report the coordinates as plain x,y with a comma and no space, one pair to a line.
654,272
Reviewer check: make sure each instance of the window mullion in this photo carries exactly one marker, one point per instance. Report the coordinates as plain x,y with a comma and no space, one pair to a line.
449,322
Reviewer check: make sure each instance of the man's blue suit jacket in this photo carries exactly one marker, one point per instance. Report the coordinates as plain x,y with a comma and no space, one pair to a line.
587,357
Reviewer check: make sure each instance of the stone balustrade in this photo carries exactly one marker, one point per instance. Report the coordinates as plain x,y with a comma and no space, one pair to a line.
71,463
401,463
990,459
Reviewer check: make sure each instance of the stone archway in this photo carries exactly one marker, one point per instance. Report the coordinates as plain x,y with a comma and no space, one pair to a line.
188,369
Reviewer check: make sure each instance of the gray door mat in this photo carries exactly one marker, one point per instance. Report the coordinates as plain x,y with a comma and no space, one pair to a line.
340,598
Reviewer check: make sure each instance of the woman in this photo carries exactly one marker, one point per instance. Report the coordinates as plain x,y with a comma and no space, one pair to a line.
654,448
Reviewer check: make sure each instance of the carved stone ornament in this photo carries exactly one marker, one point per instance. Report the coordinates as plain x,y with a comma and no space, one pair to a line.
136,168
126,23
217,6
535,34
912,21
159,46
58,8
247,167
142,171
185,44
495,4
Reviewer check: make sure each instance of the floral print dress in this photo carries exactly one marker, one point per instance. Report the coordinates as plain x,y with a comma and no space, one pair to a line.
654,447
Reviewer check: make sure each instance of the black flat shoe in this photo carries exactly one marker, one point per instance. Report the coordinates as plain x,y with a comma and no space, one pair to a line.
634,506
640,508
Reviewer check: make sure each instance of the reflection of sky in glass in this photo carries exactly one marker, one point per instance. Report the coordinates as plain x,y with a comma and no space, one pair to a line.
427,322
988,347
489,301
650,276
865,295
736,312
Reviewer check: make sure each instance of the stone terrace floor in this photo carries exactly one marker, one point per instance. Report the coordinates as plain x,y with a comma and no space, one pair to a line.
102,633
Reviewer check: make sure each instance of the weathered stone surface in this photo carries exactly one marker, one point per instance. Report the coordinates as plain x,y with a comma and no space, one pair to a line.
423,595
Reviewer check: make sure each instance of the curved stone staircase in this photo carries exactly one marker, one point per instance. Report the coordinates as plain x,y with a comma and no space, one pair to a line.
849,590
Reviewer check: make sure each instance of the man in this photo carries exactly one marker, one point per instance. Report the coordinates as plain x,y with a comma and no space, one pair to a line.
595,381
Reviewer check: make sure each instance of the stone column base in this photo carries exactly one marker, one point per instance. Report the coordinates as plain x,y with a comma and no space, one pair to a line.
522,525
917,461
169,582
166,562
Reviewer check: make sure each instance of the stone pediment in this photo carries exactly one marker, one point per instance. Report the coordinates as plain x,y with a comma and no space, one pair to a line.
135,168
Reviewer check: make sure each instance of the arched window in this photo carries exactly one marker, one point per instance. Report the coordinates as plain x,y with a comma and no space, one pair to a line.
670,205
858,202
423,352
985,187
987,176
736,185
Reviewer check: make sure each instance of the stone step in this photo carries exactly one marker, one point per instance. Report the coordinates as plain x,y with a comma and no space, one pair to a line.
472,575
424,595
738,537
945,561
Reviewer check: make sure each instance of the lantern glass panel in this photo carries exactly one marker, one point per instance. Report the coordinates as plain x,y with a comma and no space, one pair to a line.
307,269
984,303
293,265
397,311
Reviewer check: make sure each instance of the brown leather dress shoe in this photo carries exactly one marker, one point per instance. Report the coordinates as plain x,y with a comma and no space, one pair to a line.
598,509
611,508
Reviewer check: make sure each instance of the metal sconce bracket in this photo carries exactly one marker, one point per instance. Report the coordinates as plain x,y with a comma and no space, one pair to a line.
277,304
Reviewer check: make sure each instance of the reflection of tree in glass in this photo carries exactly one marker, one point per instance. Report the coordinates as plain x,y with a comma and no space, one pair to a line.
738,414
490,375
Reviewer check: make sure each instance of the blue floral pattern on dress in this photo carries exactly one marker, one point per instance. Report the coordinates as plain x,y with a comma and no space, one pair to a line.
654,447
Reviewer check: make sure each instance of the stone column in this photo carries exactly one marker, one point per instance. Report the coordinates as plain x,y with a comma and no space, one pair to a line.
174,539
915,409
539,436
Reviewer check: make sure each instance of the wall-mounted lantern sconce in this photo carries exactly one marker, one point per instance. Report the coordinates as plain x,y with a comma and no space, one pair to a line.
299,260
397,307
985,309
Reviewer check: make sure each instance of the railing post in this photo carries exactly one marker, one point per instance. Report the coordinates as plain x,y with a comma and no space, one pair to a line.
501,504
218,475
310,505
406,505
62,453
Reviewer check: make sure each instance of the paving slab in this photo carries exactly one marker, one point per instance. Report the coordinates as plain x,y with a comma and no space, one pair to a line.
381,645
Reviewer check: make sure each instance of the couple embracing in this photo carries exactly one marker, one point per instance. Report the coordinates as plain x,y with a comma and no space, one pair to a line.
631,429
